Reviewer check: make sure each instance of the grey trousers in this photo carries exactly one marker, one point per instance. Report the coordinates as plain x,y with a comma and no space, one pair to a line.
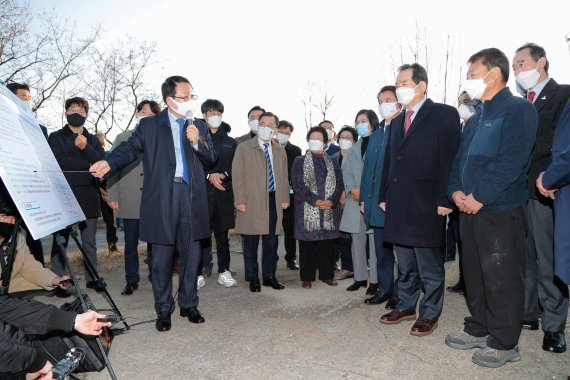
540,284
359,258
87,229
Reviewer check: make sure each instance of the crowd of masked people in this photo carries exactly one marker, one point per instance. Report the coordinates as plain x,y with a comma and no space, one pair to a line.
385,202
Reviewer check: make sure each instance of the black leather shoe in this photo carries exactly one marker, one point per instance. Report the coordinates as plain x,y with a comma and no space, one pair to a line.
95,286
392,303
292,265
193,315
129,288
372,289
530,325
62,293
456,288
357,285
378,298
163,322
554,342
272,281
254,286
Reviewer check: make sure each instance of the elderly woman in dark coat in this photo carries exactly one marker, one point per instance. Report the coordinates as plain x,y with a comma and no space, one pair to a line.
317,181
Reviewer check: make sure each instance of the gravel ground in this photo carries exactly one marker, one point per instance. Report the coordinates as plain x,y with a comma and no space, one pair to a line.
319,333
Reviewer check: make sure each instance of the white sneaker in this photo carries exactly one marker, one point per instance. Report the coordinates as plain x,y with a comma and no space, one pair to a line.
226,279
201,282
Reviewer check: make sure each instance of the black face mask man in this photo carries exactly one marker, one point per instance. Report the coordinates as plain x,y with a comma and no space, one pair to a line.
7,216
75,120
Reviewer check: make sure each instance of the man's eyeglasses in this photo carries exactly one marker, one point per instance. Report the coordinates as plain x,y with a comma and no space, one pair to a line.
186,98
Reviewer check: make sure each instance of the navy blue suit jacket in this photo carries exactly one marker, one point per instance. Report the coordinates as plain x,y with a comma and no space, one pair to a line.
415,175
557,176
152,140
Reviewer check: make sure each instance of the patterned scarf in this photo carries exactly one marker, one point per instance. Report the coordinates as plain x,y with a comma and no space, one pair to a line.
312,214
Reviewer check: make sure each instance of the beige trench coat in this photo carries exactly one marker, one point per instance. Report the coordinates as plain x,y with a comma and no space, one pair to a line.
251,183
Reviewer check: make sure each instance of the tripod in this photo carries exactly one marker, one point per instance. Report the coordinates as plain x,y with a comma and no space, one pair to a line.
60,240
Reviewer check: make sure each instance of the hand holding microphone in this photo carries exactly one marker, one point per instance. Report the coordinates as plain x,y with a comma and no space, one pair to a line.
193,134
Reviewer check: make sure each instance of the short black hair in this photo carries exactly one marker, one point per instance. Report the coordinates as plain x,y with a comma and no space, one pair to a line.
419,74
82,102
14,87
212,105
387,88
372,118
270,114
154,106
536,51
285,124
349,129
255,108
168,88
491,58
7,206
326,121
320,129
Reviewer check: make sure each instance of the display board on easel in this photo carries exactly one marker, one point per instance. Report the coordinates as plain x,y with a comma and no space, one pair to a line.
30,171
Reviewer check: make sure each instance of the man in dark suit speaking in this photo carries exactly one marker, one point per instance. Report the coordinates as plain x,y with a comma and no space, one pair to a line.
174,150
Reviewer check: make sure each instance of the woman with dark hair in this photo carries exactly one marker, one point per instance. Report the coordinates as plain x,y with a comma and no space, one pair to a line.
125,191
317,181
366,123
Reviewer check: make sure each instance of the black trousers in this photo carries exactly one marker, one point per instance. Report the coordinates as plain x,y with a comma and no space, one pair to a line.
289,231
316,253
494,269
222,251
110,220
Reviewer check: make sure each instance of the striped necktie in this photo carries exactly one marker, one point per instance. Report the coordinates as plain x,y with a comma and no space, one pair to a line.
270,169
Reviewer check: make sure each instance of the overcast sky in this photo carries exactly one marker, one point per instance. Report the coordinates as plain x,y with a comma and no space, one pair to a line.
251,52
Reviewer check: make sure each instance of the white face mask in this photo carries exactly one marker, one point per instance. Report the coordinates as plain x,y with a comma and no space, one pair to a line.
253,125
29,103
528,79
405,95
345,144
265,133
475,88
282,138
185,109
215,121
465,111
316,145
387,110
330,134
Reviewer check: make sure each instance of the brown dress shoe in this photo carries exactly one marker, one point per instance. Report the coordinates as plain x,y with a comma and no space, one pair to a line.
330,282
423,327
306,284
396,316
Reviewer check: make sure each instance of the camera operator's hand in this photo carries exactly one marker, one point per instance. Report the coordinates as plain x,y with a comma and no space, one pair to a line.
43,374
86,323
57,282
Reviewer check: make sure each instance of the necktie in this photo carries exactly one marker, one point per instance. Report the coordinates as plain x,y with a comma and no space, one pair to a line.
530,96
271,179
408,121
185,173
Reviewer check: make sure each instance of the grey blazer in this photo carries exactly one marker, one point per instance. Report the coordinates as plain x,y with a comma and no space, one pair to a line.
352,220
125,187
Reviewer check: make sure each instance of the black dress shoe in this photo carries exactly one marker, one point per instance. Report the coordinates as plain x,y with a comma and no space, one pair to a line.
456,288
392,303
62,293
378,298
193,315
272,281
554,342
163,322
292,265
254,286
530,325
372,289
357,285
95,286
129,288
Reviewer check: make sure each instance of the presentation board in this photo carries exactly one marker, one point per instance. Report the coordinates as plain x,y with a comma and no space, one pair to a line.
30,171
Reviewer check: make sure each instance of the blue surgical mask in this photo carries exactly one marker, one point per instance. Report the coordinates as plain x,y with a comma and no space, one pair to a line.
362,129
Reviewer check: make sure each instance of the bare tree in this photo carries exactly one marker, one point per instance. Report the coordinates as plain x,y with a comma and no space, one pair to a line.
317,98
308,104
116,84
324,100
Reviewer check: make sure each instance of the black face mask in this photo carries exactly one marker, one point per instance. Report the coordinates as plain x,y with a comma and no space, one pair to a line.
76,120
6,230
